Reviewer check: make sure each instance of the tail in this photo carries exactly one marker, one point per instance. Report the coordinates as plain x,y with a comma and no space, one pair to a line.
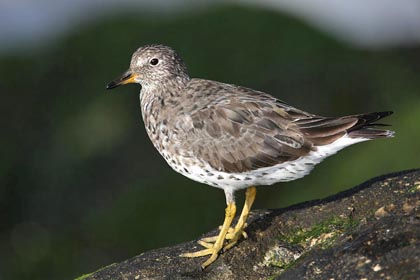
367,126
323,131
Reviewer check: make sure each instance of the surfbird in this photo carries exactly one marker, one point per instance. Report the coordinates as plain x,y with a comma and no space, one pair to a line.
232,137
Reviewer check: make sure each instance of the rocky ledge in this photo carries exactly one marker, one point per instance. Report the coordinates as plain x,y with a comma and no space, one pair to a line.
371,231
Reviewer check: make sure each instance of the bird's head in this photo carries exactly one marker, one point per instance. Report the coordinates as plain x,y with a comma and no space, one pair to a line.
152,65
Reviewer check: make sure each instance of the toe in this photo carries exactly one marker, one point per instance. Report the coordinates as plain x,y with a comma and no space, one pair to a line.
205,244
210,260
201,253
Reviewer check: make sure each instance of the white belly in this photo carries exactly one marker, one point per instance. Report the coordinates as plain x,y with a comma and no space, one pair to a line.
282,172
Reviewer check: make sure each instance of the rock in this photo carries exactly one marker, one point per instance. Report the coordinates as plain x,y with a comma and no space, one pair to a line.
369,232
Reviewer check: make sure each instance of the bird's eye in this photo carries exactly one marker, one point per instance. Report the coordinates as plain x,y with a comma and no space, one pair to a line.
154,61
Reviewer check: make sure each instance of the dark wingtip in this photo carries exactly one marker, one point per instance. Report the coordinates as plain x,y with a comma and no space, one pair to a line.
385,113
371,118
365,128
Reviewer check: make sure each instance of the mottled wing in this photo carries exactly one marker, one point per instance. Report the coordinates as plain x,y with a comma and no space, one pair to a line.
244,130
236,129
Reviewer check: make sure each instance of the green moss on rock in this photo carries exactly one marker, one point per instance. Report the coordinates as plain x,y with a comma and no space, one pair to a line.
322,234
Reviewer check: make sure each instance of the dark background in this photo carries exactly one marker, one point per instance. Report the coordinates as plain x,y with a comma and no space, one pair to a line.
81,186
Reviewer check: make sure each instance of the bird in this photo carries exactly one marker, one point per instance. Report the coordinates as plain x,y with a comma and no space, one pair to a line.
233,137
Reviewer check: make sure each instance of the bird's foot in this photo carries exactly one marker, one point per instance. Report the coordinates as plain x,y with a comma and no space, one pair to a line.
235,233
234,237
215,244
230,235
231,238
213,249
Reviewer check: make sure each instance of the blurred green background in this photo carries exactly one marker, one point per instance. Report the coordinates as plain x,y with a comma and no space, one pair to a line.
83,187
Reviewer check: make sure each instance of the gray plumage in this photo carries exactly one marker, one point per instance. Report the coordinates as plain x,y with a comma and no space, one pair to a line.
233,137
204,127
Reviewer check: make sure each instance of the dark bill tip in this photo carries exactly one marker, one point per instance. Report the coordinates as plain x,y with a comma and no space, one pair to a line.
126,78
112,85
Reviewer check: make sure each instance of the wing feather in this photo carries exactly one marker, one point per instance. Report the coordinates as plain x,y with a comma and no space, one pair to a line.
243,130
235,129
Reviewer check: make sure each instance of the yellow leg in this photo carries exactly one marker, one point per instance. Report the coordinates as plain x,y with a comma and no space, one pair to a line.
234,233
218,245
250,195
